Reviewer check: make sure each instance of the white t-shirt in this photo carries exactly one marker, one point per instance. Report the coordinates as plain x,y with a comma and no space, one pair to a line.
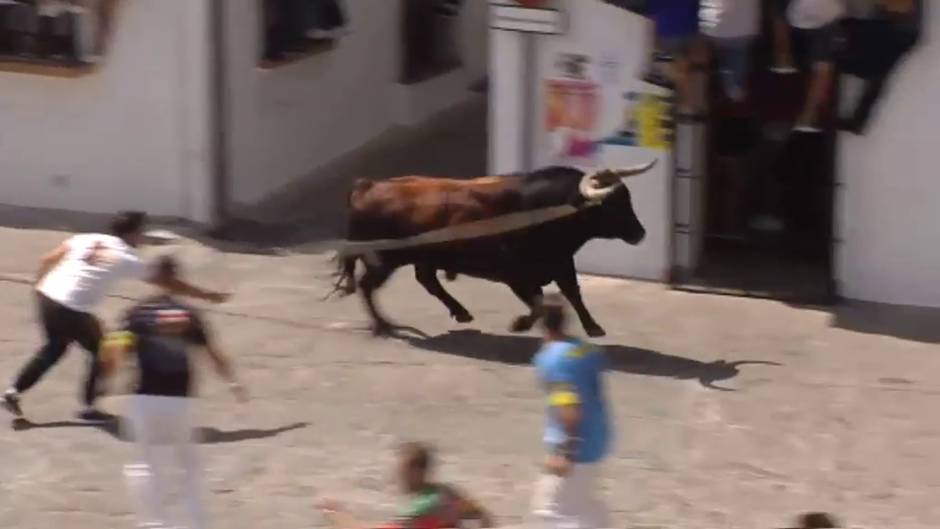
93,263
814,14
728,19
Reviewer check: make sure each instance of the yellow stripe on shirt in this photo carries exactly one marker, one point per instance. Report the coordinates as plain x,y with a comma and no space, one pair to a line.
579,351
564,397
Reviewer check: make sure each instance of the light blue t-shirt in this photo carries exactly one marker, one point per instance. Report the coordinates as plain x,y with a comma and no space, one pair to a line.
570,372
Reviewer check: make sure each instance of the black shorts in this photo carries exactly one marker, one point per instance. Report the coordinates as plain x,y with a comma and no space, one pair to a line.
817,45
782,6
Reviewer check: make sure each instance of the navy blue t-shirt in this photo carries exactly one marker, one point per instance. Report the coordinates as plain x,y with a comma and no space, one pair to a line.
166,331
675,18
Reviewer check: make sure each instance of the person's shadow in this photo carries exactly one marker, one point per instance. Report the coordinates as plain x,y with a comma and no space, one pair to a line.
518,350
114,426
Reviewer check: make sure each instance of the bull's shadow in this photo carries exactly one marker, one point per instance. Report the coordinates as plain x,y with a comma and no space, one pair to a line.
518,350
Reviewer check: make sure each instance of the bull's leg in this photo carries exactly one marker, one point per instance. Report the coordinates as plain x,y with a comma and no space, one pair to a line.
373,278
428,278
531,295
567,281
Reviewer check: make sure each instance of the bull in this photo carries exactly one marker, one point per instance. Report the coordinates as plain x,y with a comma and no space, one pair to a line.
524,259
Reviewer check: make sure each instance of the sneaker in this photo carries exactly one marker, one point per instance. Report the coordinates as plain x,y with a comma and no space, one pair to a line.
783,69
95,415
807,128
11,401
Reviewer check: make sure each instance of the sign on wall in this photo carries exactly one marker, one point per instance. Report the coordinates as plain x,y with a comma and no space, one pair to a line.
647,121
573,102
529,18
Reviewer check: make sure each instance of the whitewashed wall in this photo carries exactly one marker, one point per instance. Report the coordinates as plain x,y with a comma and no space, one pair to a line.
288,121
132,134
889,203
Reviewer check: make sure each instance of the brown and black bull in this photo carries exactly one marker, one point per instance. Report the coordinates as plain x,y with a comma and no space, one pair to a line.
525,259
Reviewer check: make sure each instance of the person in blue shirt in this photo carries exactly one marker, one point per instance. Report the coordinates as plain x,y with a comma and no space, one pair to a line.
577,431
676,25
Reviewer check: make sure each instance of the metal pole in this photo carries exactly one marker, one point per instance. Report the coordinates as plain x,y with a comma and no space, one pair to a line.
218,113
528,101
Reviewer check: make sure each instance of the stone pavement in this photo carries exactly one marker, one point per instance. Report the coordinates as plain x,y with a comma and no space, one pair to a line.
824,419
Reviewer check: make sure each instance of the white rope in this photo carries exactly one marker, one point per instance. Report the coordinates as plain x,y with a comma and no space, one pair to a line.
469,230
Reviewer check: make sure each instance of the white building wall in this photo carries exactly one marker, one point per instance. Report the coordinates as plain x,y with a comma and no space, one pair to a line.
131,134
889,203
290,120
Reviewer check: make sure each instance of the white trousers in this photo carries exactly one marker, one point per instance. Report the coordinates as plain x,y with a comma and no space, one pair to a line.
167,463
569,502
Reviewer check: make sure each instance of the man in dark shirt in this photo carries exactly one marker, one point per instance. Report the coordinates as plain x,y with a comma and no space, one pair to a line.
875,46
163,334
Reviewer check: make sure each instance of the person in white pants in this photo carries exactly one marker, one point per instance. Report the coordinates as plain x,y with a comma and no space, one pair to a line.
577,432
163,333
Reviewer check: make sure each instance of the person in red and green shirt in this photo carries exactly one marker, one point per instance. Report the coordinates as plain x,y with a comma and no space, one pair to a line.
431,506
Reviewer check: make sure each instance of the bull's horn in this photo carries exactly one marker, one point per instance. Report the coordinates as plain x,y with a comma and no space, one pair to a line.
593,188
599,184
634,170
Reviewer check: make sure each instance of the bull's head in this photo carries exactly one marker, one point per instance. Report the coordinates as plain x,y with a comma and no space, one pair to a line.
605,189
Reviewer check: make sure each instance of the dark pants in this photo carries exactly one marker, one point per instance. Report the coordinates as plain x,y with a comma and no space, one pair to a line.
873,51
63,326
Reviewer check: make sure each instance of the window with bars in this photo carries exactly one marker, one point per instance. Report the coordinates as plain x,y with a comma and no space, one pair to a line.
57,32
429,33
296,28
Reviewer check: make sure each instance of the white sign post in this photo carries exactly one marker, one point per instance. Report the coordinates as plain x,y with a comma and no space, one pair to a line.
532,21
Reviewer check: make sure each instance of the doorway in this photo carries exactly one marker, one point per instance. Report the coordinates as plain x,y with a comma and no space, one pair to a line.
766,228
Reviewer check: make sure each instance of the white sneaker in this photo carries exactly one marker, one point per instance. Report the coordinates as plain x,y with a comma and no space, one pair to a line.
807,128
11,401
320,34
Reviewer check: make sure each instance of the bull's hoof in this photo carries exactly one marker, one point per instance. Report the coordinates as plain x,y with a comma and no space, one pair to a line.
382,329
522,324
595,332
462,317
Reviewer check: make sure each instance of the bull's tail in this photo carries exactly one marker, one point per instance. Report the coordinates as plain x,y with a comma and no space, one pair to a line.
344,276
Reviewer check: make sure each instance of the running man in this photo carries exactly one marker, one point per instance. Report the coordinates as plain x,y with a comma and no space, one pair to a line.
432,505
577,432
163,333
72,280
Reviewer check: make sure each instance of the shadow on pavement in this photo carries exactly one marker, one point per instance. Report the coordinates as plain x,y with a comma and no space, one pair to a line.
918,324
519,350
204,435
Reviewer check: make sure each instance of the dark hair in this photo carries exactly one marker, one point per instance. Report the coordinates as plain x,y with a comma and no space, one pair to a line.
417,455
552,313
128,223
817,520
166,267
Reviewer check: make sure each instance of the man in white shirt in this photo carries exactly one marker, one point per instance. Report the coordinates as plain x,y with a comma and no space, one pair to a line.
70,282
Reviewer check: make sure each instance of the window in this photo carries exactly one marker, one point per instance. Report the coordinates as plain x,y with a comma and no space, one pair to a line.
54,32
296,28
430,39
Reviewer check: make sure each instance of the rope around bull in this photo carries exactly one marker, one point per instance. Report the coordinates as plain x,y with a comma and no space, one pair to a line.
492,226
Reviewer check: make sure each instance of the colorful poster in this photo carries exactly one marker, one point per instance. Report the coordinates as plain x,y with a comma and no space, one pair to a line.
647,122
571,117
